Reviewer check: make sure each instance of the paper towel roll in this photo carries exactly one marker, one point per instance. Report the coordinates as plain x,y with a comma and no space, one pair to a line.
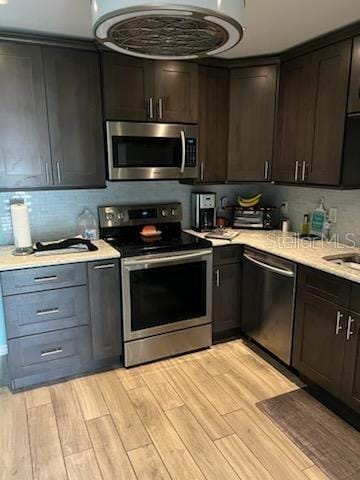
21,225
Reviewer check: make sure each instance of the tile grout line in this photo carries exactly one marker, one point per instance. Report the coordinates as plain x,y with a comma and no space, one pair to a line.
87,429
28,435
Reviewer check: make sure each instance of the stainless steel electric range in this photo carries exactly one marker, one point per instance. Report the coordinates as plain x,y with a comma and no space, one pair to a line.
166,281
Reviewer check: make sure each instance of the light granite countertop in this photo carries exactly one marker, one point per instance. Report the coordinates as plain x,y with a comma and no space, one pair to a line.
10,262
276,243
285,245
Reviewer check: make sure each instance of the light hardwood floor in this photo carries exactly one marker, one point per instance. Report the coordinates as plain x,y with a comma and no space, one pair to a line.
188,418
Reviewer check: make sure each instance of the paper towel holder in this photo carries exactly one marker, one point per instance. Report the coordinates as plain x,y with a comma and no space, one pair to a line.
27,249
21,252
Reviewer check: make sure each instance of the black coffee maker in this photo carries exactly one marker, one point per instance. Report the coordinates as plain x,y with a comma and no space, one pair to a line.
203,211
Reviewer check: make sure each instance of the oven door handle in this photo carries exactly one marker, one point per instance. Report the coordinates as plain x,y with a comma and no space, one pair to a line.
165,260
183,151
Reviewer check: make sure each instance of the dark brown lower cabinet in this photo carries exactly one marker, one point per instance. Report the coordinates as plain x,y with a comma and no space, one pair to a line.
226,300
319,342
327,344
351,373
105,308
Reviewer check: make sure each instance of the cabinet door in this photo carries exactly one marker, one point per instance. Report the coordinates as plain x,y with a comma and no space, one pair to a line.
24,136
292,120
75,118
226,303
354,94
351,372
213,123
251,128
176,91
128,85
319,341
326,124
105,309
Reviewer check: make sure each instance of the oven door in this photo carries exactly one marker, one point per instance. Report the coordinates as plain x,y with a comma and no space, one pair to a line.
144,151
166,292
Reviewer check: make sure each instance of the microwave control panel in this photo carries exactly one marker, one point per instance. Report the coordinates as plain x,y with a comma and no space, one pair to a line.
191,152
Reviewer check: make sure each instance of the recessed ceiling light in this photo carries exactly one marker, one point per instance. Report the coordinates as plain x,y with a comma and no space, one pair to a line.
3,2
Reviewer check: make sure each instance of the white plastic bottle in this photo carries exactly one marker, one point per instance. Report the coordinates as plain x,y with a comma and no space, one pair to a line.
87,225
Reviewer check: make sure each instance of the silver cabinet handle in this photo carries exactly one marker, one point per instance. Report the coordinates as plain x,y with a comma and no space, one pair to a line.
161,108
304,165
217,278
104,267
45,279
202,176
266,174
51,311
58,171
151,108
55,351
271,268
47,173
183,151
296,171
349,332
339,317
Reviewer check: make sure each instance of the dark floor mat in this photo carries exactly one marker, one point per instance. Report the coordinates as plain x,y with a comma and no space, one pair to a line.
332,444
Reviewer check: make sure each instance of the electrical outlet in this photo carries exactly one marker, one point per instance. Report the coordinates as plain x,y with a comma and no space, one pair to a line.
285,208
333,212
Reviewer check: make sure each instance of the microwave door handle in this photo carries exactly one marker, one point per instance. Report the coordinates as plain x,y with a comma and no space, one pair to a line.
183,152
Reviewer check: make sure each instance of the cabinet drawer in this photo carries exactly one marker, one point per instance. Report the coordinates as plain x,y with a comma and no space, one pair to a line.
327,286
43,278
355,298
41,312
49,355
226,255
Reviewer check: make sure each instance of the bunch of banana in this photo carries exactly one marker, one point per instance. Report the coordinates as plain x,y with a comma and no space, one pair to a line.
249,202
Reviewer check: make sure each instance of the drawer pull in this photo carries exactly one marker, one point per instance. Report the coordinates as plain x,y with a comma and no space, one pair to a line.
55,351
46,279
339,317
217,278
51,311
104,267
349,331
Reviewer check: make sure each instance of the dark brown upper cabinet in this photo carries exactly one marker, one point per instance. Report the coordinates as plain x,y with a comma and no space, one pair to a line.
75,117
311,118
128,85
292,120
354,94
25,160
144,90
252,120
213,124
176,91
330,70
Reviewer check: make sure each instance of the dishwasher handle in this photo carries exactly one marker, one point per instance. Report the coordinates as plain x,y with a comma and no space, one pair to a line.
271,268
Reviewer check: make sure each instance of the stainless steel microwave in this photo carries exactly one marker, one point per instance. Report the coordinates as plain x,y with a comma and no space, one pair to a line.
151,151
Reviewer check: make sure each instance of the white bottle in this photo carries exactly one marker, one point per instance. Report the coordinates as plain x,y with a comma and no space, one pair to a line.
87,225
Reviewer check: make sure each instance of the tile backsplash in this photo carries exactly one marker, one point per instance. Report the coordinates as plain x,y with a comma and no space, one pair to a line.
53,214
303,200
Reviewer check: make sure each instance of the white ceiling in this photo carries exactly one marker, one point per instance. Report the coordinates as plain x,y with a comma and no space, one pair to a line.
271,25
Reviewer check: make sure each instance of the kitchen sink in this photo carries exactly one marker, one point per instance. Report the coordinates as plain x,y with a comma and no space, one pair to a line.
351,260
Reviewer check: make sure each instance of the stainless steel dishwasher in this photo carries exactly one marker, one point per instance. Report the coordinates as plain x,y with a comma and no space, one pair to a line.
268,300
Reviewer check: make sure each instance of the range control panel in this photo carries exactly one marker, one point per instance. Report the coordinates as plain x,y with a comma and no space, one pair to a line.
122,216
